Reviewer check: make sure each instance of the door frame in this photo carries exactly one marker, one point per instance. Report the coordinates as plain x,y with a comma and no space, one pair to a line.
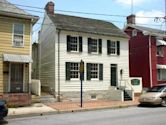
9,83
116,65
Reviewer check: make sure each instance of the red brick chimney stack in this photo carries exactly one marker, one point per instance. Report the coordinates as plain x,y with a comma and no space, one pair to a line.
49,7
131,19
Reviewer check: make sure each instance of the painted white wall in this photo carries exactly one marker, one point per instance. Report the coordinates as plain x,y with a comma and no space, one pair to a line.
74,85
47,53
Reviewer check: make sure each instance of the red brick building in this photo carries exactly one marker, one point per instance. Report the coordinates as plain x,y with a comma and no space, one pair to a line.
147,53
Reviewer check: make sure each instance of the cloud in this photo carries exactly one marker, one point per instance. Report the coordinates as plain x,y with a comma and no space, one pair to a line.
128,2
152,13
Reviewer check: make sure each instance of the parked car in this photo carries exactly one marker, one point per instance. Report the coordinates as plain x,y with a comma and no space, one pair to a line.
155,96
3,109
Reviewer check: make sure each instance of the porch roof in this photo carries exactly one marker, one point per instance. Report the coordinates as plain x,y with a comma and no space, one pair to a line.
17,58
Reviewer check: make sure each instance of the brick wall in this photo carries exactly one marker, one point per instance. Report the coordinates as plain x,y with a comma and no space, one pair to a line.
17,99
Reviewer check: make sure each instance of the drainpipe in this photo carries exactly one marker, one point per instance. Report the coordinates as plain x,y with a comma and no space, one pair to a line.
150,61
58,98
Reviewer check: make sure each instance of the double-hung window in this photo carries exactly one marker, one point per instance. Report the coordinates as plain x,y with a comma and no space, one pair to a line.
113,47
94,46
161,74
74,43
72,70
94,71
18,35
160,51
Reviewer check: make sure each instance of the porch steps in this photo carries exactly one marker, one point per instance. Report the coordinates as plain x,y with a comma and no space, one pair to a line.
43,99
127,97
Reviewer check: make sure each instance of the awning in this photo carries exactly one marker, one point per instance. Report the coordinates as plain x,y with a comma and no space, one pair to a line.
161,43
161,66
17,58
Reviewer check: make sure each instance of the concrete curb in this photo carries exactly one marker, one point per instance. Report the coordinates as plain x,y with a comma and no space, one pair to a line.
67,111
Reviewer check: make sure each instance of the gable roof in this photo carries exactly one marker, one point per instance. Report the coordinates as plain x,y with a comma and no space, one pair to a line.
87,25
9,9
147,30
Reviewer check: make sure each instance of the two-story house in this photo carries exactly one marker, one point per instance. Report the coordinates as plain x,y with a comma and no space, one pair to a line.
15,53
147,58
66,40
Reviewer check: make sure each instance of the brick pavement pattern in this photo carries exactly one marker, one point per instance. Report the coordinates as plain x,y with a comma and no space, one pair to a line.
90,105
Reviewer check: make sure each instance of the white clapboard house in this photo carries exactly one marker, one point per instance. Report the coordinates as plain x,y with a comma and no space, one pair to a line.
65,40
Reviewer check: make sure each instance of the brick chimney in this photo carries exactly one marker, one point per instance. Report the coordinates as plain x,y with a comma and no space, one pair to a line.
131,19
49,8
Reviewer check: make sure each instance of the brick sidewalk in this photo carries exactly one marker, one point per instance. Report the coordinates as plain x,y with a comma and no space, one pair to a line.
90,105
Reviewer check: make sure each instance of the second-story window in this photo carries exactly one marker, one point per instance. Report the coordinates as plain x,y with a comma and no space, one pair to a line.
18,35
113,47
74,43
160,51
94,46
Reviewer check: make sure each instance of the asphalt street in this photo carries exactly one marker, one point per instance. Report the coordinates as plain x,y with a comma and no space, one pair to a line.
123,116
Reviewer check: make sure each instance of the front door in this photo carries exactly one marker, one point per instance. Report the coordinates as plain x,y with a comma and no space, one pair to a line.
113,74
16,78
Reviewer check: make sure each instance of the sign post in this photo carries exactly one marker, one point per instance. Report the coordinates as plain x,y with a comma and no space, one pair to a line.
81,78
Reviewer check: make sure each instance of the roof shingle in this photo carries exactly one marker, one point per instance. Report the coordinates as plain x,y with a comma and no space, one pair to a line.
87,25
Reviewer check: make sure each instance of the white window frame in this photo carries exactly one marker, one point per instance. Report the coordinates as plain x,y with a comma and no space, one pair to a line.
113,47
71,38
97,46
95,71
13,44
72,70
134,33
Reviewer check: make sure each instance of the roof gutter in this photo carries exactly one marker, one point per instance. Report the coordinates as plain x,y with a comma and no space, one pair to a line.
33,19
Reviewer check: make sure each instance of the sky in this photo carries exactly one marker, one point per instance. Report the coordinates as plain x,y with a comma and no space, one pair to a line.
114,11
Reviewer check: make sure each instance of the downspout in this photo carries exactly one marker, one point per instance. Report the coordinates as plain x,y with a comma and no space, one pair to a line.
150,61
30,64
58,99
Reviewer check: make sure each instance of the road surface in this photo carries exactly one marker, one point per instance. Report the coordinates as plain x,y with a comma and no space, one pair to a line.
123,116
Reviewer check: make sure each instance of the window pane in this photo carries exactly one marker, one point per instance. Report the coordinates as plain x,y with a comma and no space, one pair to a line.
74,70
113,47
94,71
74,43
18,28
94,45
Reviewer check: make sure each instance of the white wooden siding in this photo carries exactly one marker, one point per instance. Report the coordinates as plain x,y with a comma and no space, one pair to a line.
47,53
74,85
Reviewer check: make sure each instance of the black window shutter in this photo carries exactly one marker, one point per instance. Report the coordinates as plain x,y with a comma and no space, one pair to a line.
118,47
89,45
80,43
67,70
100,46
108,46
88,68
68,43
100,71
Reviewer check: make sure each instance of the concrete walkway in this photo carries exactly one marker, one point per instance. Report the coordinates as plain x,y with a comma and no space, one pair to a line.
61,107
35,109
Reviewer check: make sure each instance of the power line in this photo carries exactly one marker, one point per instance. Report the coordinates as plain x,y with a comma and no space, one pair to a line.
67,11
